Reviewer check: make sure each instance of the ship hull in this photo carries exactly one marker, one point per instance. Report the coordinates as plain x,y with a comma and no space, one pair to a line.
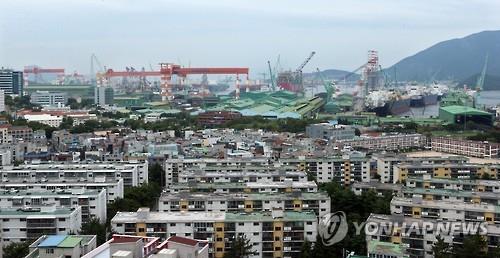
424,100
395,107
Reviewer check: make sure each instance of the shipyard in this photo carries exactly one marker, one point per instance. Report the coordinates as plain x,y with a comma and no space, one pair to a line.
249,129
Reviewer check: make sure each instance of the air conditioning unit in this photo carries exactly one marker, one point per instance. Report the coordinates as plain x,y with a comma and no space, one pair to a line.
305,205
287,228
210,229
287,239
191,206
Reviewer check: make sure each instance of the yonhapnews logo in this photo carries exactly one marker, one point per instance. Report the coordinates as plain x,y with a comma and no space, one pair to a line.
332,227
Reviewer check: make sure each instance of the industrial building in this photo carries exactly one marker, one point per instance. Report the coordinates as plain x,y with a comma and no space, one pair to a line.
278,104
272,234
11,82
48,98
465,114
72,91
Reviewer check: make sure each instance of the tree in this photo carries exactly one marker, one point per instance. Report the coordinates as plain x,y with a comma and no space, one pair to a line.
240,248
441,249
306,250
156,174
67,123
473,246
94,227
16,250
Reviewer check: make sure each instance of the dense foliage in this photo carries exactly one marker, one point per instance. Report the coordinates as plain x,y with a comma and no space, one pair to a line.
94,227
16,250
141,196
239,248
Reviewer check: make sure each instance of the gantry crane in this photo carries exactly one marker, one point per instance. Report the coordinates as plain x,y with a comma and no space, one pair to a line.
37,72
167,70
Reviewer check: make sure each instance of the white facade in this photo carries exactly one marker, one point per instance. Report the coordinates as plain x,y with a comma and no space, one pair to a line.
245,202
46,98
29,224
113,187
2,101
134,173
283,229
50,120
93,203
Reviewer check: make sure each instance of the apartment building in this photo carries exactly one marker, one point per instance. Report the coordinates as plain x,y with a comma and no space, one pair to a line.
48,246
177,166
92,202
452,195
113,187
413,239
234,175
429,182
450,210
127,246
385,142
133,173
249,187
480,149
318,202
28,224
344,170
380,188
272,234
386,163
458,171
330,132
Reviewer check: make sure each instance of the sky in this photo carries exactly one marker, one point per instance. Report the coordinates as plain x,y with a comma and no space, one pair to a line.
231,33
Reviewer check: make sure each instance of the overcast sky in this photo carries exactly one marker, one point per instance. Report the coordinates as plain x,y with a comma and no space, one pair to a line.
242,33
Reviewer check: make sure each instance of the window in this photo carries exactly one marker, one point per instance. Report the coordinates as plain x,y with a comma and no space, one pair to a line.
277,238
49,251
62,229
188,224
62,219
277,229
172,224
241,224
277,248
141,229
255,233
256,223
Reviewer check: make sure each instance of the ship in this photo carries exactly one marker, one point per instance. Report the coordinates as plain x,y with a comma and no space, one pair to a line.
421,96
387,102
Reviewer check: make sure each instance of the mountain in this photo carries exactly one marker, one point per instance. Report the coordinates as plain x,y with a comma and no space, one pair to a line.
491,82
456,59
333,74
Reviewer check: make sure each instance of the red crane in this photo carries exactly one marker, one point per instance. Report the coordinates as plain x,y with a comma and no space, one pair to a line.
167,70
37,71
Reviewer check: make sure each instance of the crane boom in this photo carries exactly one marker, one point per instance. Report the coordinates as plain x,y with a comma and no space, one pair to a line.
299,69
329,88
271,75
480,80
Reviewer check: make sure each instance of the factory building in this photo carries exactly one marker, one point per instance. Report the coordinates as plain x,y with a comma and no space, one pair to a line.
465,114
48,98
